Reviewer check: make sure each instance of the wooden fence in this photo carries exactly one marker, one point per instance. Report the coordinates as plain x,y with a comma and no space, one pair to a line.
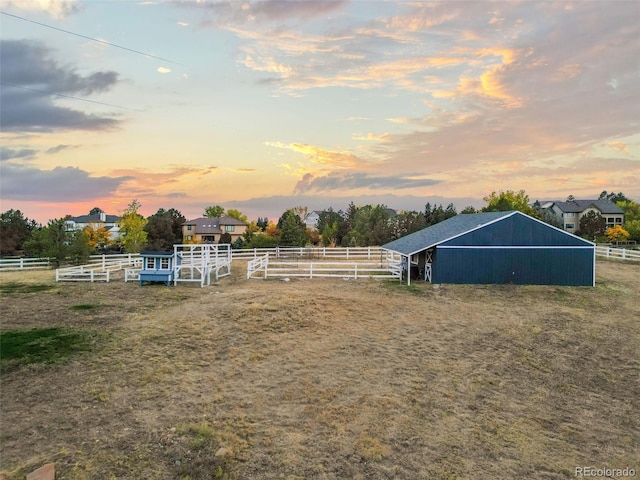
96,272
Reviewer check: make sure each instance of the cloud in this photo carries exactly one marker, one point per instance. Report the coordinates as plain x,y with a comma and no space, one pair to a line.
61,184
320,155
358,180
55,8
10,153
261,11
59,148
30,81
619,147
164,70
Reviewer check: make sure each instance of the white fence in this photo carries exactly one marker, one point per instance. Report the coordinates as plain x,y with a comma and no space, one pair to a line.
96,272
618,253
7,264
269,267
348,253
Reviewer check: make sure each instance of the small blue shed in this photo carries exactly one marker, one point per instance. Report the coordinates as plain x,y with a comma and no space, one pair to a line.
158,267
497,247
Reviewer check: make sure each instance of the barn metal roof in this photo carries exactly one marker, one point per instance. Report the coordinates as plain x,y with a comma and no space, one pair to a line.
457,226
438,233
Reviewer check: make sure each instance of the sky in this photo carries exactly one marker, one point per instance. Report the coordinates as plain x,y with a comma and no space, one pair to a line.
267,105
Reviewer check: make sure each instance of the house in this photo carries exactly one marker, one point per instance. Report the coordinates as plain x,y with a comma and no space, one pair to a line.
209,230
570,212
312,219
497,247
158,267
100,220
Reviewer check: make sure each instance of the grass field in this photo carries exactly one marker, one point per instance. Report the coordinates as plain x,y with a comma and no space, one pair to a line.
323,379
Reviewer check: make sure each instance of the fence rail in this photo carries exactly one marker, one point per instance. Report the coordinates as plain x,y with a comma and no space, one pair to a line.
618,253
269,267
94,272
355,253
7,264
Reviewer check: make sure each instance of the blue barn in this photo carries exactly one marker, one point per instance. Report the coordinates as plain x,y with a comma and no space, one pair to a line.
497,247
158,267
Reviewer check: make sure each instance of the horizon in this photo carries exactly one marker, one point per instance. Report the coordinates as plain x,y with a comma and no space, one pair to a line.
264,106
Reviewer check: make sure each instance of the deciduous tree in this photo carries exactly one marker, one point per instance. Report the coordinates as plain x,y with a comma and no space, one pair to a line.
617,234
15,229
214,211
132,228
237,214
509,200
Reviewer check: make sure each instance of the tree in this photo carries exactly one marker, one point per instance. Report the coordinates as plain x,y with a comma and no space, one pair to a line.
293,232
79,250
53,241
214,211
617,234
15,229
547,216
631,210
164,229
272,230
570,198
438,214
592,224
467,210
613,197
95,211
225,238
237,214
633,227
132,228
406,223
509,200
371,226
97,238
262,223
328,235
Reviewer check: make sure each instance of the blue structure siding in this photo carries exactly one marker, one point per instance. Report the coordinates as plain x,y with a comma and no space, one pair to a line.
520,266
517,230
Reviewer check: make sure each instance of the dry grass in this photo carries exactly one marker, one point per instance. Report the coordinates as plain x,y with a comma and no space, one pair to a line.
328,379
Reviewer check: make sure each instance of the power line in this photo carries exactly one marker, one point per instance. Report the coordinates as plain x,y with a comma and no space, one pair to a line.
104,42
67,96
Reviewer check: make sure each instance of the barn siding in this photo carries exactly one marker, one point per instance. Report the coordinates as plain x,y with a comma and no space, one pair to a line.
517,230
520,266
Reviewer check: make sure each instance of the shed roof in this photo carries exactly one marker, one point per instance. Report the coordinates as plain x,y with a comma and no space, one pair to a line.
438,233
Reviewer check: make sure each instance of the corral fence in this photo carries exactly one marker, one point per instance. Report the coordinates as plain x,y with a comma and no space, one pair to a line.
342,253
7,264
269,266
98,271
618,253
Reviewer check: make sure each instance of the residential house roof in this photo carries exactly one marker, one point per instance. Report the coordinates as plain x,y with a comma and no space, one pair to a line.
577,206
206,225
95,219
438,233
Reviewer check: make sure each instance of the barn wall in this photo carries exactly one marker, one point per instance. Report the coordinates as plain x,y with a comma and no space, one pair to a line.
522,266
517,230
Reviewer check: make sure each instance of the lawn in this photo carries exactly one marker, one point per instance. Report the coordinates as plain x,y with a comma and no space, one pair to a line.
324,379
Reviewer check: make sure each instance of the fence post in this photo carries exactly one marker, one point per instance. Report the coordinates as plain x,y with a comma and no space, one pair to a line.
311,270
104,261
356,270
624,253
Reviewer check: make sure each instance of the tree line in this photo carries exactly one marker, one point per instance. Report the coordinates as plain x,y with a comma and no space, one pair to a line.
357,226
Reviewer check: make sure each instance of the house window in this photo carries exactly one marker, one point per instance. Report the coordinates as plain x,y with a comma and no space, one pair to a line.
164,263
570,215
150,263
189,238
229,228
569,226
189,227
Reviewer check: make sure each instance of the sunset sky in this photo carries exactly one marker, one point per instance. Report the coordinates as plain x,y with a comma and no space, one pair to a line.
266,105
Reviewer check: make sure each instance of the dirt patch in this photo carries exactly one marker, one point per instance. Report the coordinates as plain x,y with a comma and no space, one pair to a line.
327,379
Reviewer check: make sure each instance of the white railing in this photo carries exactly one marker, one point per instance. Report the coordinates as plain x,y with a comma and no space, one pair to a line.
94,272
618,253
258,265
348,253
273,267
7,264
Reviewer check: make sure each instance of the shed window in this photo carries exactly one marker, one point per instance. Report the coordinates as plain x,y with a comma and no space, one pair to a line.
164,263
150,263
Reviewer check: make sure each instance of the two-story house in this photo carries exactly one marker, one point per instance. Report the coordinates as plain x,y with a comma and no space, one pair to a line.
209,230
99,220
570,212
